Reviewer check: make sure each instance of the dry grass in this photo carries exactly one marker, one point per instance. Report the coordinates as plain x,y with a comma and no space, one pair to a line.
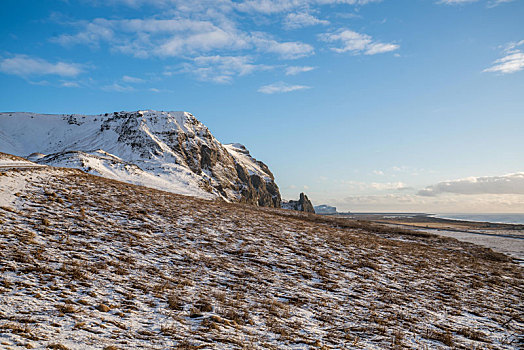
179,272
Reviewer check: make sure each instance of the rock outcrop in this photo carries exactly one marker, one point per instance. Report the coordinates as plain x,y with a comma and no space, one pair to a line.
303,204
171,151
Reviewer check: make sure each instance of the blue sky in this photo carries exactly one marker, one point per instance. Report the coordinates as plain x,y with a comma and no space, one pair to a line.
392,105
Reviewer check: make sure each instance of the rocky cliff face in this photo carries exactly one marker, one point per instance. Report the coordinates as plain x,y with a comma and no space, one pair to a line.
171,151
303,204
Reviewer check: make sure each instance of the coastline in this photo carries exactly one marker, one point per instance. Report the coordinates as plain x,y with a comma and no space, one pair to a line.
511,219
501,237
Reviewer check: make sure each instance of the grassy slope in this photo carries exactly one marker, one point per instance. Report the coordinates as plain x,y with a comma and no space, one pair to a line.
91,262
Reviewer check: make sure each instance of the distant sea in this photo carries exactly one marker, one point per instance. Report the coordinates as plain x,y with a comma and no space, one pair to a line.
494,218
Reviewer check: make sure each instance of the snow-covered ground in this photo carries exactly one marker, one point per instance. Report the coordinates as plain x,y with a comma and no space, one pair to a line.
8,161
91,263
170,151
177,180
12,185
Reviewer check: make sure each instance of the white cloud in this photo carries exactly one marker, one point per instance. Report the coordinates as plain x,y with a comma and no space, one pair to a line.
506,184
191,30
70,84
156,37
294,70
494,3
201,41
380,186
286,50
512,62
302,19
264,6
278,6
221,69
118,88
26,66
356,42
412,203
281,87
372,186
178,38
456,2
508,64
491,3
132,80
92,34
375,48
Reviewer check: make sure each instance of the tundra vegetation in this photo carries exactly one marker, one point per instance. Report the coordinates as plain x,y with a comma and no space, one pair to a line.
91,262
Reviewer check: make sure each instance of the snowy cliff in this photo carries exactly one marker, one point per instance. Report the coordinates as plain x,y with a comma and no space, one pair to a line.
171,151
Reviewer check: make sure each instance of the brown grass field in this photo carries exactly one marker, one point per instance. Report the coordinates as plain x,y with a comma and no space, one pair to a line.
87,262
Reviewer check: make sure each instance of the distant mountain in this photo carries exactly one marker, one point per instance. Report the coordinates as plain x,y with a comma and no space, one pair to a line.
171,151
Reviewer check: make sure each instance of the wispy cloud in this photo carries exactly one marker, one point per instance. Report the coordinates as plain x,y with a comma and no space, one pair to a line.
491,3
281,87
191,30
26,66
404,202
357,43
70,84
373,186
177,38
456,2
286,50
132,80
506,184
302,19
294,70
278,6
266,7
221,69
512,62
494,3
118,87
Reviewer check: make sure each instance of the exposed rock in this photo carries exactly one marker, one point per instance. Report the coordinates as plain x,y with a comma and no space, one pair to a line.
103,308
303,204
171,151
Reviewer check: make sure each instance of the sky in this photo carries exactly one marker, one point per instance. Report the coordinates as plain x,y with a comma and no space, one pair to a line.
367,105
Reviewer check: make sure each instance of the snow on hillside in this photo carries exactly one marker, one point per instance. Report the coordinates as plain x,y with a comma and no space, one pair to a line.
242,156
171,151
103,164
11,161
91,263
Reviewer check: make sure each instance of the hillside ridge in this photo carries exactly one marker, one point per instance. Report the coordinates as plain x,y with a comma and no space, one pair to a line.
171,151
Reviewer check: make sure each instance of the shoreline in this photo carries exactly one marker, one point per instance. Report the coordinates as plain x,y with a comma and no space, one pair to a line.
470,218
501,237
424,220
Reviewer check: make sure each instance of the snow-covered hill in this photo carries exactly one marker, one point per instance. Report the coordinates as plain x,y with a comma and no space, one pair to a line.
170,151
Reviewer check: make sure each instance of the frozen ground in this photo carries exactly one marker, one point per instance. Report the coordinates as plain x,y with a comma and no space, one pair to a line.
8,161
92,263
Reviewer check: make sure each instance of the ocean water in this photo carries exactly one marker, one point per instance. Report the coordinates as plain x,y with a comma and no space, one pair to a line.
494,218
